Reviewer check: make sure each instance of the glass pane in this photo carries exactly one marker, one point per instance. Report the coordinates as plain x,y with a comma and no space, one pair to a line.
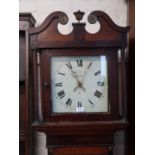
79,84
21,55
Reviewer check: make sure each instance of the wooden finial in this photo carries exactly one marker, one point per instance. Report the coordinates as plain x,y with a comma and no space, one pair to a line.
79,15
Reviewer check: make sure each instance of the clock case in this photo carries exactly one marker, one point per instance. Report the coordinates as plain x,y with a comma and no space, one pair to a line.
111,40
47,41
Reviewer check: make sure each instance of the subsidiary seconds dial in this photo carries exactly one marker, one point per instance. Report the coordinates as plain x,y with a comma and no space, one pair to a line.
79,84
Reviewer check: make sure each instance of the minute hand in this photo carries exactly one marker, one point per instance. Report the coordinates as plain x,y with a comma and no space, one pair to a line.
86,71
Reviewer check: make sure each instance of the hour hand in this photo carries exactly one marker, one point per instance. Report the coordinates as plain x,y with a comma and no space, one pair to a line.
80,88
80,85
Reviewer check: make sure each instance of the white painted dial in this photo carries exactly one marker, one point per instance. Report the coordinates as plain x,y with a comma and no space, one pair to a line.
79,84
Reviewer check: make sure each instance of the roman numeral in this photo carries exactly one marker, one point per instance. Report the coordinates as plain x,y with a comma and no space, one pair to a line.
97,94
91,102
61,73
98,72
69,65
69,102
79,104
58,84
61,94
79,63
100,83
89,65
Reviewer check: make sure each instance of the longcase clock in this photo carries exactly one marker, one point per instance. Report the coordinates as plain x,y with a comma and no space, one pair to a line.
79,84
26,21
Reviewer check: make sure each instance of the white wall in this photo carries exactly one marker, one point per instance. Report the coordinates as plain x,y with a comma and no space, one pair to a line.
117,10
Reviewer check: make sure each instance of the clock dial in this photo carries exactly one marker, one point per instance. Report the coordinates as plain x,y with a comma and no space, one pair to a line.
79,84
